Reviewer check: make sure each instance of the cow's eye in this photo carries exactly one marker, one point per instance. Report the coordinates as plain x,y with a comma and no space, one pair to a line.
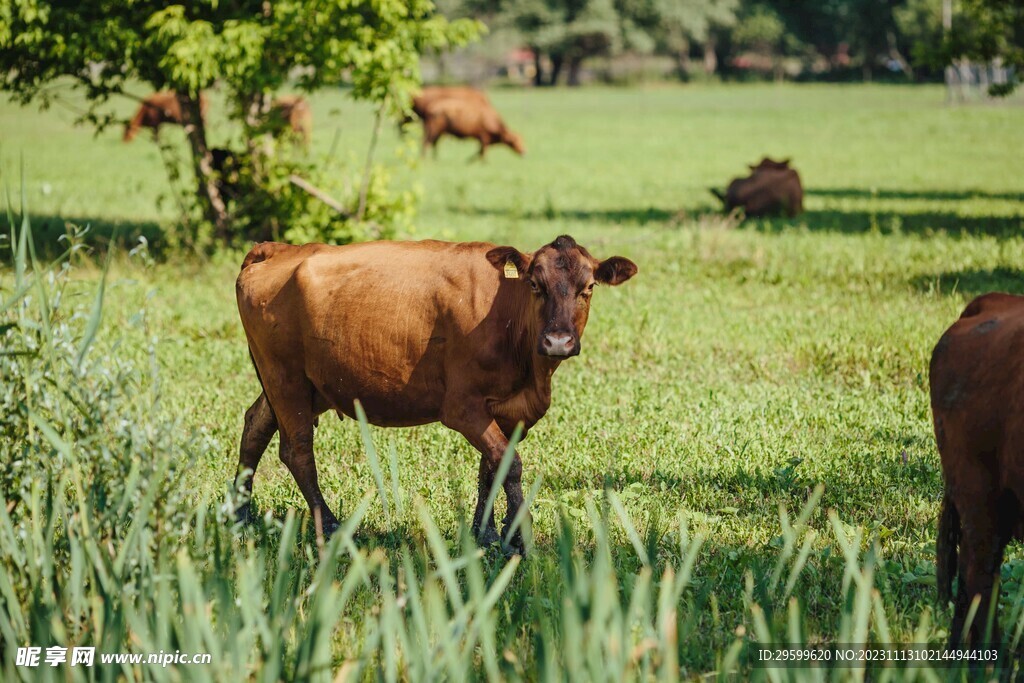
534,287
587,291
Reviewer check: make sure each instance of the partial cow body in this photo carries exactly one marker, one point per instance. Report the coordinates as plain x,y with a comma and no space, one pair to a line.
293,112
977,391
467,334
426,98
157,109
468,120
772,188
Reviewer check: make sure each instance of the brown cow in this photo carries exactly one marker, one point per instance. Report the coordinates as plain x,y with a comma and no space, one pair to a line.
769,164
292,112
157,109
422,102
772,188
977,386
466,334
467,119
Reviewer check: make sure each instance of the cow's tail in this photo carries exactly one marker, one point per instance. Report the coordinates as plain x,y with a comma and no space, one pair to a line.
946,543
261,252
717,193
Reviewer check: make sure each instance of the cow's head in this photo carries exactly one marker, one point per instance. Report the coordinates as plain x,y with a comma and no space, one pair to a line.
514,141
769,164
561,278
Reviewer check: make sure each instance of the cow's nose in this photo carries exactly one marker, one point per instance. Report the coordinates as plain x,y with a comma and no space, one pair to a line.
559,344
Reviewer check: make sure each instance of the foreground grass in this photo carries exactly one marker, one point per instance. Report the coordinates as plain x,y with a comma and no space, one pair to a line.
742,367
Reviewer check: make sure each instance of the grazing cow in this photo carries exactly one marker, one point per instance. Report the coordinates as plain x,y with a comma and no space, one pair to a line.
157,109
977,386
468,119
426,98
772,188
292,112
466,334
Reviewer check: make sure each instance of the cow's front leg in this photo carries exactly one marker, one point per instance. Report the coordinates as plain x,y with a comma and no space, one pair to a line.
486,436
484,530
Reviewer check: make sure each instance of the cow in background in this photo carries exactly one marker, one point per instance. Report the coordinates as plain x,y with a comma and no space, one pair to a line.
771,189
292,112
426,98
468,119
157,109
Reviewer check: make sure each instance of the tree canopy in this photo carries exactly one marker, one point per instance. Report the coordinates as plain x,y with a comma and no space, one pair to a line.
251,47
841,38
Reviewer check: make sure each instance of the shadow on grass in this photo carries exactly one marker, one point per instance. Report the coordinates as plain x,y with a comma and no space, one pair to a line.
923,223
789,483
832,220
935,195
973,282
47,231
640,216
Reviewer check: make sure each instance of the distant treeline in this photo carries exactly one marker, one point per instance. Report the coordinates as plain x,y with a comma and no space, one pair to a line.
826,39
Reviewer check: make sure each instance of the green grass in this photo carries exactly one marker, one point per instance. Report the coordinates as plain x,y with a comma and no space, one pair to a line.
743,366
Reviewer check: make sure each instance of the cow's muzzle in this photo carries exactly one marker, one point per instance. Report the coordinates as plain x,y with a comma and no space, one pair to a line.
559,344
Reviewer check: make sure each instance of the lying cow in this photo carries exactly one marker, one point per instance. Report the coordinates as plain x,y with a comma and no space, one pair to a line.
772,188
977,385
292,112
468,119
156,110
466,334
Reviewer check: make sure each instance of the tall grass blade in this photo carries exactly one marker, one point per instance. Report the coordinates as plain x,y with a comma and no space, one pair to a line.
373,459
95,316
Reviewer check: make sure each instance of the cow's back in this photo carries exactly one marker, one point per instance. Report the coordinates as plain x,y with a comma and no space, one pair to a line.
976,381
767,191
380,321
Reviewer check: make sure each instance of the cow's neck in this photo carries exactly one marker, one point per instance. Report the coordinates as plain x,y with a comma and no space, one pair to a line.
523,331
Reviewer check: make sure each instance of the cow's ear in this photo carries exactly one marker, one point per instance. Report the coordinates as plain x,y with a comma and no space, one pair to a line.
615,271
507,259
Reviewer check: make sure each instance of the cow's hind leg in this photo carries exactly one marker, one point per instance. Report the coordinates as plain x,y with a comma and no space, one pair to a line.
981,553
296,416
260,426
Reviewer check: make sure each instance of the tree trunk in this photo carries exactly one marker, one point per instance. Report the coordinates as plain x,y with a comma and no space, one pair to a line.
259,147
683,64
538,67
557,59
710,56
574,70
207,187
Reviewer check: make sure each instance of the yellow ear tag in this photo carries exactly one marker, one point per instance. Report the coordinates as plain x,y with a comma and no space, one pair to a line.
511,272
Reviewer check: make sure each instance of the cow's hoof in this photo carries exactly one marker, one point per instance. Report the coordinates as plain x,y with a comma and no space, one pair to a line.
516,546
330,526
488,537
244,514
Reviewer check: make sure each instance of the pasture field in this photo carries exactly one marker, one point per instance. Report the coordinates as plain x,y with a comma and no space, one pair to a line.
743,366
